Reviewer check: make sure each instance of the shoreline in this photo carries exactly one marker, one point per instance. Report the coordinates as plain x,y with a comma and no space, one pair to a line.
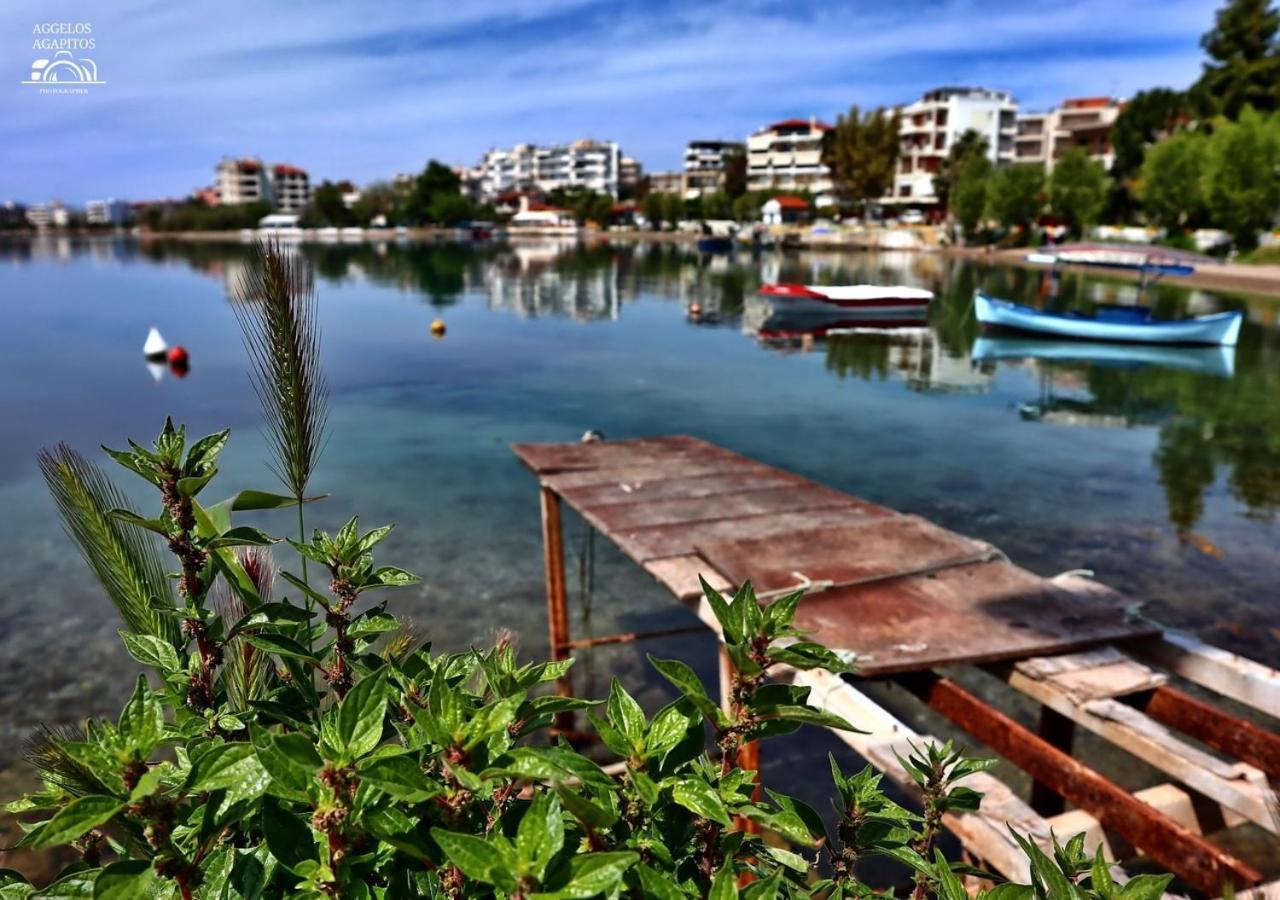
1255,280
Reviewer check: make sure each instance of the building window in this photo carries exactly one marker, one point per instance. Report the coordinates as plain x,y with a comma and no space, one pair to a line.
904,190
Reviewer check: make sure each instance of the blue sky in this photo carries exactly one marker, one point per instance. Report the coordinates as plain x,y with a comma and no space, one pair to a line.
363,90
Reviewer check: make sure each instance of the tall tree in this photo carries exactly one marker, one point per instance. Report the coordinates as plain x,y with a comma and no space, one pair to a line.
1077,189
436,179
1148,117
862,153
735,173
1244,59
971,143
968,195
1240,186
1015,195
326,207
1170,187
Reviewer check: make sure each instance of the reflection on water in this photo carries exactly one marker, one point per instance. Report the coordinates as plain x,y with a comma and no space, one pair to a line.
1159,468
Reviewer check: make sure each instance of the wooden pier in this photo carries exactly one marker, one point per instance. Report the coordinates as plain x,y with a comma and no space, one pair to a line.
907,598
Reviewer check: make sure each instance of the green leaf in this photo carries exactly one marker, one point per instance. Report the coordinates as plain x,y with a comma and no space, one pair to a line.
540,835
151,651
625,714
231,767
290,759
390,576
279,645
724,886
301,585
688,683
271,614
590,814
400,777
475,857
658,885
251,500
591,874
190,487
77,884
76,818
1100,874
125,880
289,838
242,536
669,728
808,715
204,452
131,517
142,720
359,719
701,799
1145,887
375,621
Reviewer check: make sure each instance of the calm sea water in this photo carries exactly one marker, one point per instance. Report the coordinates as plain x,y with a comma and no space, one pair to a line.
1162,476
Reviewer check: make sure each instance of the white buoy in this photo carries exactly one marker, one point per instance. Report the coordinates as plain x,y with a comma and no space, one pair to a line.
155,347
156,369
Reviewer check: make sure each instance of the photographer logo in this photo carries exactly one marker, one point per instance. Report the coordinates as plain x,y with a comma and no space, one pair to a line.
65,70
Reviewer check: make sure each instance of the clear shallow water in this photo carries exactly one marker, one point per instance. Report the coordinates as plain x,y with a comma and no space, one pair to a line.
1164,479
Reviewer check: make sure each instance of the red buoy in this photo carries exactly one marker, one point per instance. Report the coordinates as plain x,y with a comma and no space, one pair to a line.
179,361
695,309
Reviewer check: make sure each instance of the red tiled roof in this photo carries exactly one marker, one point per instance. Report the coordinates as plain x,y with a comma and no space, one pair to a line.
543,207
286,169
798,123
790,201
1086,102
247,165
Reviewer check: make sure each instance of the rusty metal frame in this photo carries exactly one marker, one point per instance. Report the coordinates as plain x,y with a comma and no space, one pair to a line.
1177,848
1221,730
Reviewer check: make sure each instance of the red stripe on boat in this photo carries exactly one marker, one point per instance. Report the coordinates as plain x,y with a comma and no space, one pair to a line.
791,290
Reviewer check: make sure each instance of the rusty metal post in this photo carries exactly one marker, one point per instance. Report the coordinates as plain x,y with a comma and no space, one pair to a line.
557,595
749,754
1178,849
1059,732
1215,727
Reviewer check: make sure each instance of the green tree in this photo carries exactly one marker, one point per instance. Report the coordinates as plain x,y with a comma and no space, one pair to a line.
672,208
717,205
436,179
326,208
970,143
862,153
1244,60
652,208
1077,190
969,194
1240,184
1170,188
1015,195
377,199
735,173
1148,117
449,209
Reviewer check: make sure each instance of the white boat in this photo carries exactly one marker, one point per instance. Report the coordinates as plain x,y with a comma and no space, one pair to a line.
862,298
1126,325
1219,361
1148,259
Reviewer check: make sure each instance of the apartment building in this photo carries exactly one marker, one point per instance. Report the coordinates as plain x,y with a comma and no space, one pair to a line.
667,183
290,188
932,124
705,163
787,155
108,212
629,174
593,165
247,180
48,215
1079,122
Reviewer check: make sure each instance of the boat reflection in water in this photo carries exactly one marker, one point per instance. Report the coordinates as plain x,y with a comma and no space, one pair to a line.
1218,361
780,325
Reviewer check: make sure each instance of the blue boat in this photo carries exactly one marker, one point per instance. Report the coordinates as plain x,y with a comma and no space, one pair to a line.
713,244
1123,324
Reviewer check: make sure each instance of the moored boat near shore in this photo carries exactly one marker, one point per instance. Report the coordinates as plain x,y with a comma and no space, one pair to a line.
1125,324
862,298
1139,257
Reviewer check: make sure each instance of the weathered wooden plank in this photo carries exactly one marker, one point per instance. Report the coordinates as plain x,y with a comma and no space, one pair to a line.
1227,673
1232,735
683,465
841,555
983,612
1237,786
1093,674
679,575
765,501
548,458
1175,847
725,480
644,544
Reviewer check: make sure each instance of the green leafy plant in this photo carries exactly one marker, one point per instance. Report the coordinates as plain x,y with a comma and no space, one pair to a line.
300,742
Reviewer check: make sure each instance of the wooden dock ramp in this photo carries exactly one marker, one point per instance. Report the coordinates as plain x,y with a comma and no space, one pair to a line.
906,598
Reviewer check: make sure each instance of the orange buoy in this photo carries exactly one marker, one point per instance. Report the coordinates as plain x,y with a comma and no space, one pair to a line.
179,361
437,328
695,309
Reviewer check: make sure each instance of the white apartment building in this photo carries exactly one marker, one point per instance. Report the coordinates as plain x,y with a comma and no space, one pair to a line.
594,165
787,155
247,180
108,212
290,188
1079,122
931,125
704,164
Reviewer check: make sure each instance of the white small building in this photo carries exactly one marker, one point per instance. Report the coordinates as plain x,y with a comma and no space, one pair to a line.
543,219
116,213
